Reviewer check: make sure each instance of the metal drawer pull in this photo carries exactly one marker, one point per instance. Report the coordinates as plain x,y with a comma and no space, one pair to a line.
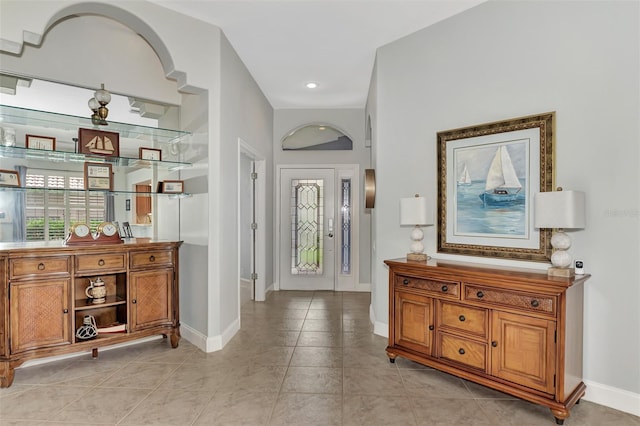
101,262
405,281
480,294
494,344
66,311
461,351
134,301
445,288
40,266
461,318
535,303
152,258
431,327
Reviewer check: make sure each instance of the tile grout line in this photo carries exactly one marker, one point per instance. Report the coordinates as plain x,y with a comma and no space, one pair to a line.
149,393
279,393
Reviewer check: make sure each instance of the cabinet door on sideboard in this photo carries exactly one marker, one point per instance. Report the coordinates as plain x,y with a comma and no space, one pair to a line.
524,350
414,322
151,300
39,314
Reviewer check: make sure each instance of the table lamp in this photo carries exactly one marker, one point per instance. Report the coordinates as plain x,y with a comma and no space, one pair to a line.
415,211
560,210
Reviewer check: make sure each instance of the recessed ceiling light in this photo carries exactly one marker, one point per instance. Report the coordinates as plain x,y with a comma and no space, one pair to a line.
311,85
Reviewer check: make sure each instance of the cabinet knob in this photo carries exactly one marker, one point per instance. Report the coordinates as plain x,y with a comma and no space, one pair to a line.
405,281
152,258
461,318
535,303
101,262
66,311
445,288
494,344
480,294
134,301
40,266
461,351
431,327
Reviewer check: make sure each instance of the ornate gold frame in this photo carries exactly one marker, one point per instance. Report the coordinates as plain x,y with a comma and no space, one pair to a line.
546,123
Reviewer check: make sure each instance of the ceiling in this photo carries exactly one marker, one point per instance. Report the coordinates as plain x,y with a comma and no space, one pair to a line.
285,44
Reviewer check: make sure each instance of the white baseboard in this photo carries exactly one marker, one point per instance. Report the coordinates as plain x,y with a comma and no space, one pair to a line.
272,287
379,328
230,331
209,343
366,287
615,398
194,337
359,287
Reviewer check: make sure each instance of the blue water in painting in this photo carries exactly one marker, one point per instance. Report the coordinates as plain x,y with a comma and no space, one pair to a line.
498,219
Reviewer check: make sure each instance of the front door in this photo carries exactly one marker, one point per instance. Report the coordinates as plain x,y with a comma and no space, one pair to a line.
307,229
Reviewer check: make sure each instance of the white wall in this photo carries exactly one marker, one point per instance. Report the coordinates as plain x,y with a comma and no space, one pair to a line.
503,60
351,122
247,115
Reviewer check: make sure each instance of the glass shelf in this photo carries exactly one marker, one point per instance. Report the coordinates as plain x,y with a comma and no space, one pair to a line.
36,118
95,191
73,157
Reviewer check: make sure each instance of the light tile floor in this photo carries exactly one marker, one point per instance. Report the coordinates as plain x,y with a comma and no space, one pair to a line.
301,358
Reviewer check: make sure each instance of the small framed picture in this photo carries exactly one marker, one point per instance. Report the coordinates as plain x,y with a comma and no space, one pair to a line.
98,142
40,142
172,186
9,178
126,230
98,176
150,154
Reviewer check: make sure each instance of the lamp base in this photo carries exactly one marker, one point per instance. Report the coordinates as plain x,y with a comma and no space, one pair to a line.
556,271
417,257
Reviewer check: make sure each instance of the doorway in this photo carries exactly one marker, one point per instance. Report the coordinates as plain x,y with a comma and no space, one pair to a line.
252,219
309,229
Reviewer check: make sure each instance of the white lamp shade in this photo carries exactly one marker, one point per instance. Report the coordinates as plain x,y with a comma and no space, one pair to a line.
559,209
415,211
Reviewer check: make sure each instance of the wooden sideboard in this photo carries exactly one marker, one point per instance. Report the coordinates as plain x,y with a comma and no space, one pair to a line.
43,300
513,330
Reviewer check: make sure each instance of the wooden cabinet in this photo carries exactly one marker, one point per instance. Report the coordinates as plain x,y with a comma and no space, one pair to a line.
514,330
44,300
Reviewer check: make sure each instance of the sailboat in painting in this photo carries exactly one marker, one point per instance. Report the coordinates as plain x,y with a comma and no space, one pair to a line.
100,145
502,185
464,178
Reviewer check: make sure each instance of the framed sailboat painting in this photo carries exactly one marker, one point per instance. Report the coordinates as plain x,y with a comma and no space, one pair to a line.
487,177
98,142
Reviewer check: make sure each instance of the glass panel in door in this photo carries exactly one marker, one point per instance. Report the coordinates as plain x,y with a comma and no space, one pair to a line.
306,224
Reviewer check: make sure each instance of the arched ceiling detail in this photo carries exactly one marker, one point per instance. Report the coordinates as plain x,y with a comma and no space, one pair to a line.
316,136
124,17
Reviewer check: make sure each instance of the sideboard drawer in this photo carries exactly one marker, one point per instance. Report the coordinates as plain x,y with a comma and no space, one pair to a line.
463,351
464,318
511,299
110,262
38,266
441,288
151,258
